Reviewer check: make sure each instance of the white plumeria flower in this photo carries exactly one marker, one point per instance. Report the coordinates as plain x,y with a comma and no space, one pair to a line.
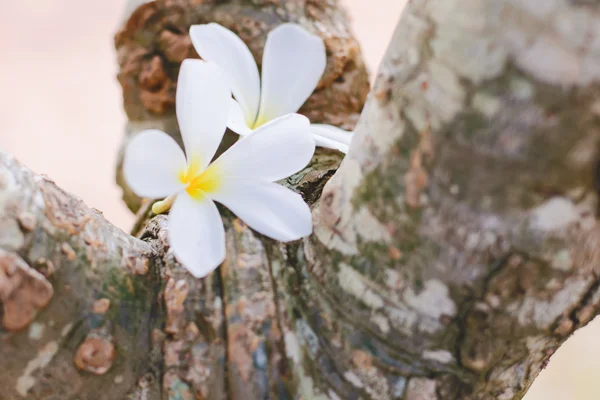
293,62
241,178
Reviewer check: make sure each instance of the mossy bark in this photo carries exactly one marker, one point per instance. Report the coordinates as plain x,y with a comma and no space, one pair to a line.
454,250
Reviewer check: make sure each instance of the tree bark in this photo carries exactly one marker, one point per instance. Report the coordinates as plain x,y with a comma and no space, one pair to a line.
454,250
461,229
75,292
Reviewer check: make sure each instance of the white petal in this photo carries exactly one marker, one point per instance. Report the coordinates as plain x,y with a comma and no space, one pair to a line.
268,208
331,137
330,144
293,63
214,42
151,164
272,152
196,234
332,132
202,105
237,121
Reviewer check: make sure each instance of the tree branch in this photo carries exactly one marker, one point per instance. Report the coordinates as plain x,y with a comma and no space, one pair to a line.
461,229
88,286
454,250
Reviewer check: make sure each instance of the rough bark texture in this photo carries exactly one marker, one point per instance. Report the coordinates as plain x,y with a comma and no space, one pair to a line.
454,250
74,290
461,229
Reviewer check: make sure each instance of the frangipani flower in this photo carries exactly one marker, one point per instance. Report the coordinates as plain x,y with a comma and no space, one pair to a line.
241,178
293,62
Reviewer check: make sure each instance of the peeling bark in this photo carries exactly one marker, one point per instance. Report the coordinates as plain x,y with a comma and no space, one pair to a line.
454,250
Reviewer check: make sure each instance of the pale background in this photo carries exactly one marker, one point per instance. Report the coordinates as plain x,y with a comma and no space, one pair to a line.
60,113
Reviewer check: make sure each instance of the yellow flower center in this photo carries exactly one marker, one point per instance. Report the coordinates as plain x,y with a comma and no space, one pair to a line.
199,183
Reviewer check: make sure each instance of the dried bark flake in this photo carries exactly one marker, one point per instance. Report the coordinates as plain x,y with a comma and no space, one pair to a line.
23,291
95,355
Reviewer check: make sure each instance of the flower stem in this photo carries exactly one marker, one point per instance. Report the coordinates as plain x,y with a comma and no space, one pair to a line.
163,206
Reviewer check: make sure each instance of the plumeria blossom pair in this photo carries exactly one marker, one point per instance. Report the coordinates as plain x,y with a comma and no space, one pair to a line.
242,178
292,65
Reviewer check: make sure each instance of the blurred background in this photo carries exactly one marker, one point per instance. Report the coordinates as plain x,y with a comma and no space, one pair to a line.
61,115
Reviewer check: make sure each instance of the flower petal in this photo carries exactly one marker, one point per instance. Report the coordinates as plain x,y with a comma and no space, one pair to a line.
237,121
331,137
196,234
330,144
272,152
151,163
216,43
268,208
293,63
202,103
332,132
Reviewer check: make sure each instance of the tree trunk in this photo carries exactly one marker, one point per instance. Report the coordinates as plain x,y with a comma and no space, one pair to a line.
453,251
